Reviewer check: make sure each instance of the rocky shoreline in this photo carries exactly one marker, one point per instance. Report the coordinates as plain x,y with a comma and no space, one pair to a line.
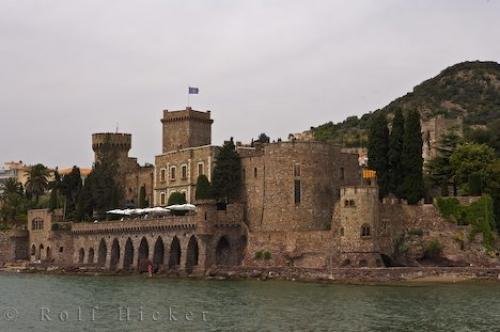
336,275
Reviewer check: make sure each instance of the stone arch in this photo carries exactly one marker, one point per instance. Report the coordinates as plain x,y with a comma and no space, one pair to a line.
81,255
48,253
102,253
363,263
40,250
223,252
158,254
33,250
115,255
128,254
346,263
90,258
192,254
142,255
175,254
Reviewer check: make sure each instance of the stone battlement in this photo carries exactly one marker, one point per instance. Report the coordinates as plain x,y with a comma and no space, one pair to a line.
117,140
186,114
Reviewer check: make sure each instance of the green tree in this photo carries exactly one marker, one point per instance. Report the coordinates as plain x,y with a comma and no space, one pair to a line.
413,182
55,189
176,198
13,203
71,186
396,138
263,138
102,190
143,202
472,161
378,148
439,170
37,182
226,183
203,188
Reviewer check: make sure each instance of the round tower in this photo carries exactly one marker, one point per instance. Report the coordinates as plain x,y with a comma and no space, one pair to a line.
118,143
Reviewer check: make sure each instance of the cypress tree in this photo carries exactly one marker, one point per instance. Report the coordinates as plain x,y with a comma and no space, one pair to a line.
143,202
227,173
413,183
203,189
176,198
378,148
395,152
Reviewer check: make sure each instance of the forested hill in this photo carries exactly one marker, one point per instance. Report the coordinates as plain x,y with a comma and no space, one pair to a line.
467,89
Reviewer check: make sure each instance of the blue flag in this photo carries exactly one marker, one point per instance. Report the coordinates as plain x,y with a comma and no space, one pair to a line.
193,91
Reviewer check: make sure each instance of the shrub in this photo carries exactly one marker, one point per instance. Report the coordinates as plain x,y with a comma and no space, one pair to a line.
259,255
203,188
433,249
176,198
267,255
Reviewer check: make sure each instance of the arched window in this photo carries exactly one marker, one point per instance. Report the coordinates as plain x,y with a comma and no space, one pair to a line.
184,172
163,174
172,173
163,199
365,230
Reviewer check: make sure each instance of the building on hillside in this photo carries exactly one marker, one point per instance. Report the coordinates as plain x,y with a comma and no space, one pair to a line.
432,131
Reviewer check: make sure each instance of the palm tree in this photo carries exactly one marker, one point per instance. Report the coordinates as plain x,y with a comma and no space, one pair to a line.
38,181
11,186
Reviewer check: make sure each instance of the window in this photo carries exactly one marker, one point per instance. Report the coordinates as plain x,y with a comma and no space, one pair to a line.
255,172
297,191
200,169
341,231
36,224
61,249
349,203
163,174
342,173
365,230
296,170
184,171
172,173
163,200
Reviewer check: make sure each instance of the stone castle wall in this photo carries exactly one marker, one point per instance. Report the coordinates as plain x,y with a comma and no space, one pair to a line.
274,172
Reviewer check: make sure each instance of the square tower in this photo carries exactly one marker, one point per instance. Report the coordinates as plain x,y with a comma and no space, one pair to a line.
185,129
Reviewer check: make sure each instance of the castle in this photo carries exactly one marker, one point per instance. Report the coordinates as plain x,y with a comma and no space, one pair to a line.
303,204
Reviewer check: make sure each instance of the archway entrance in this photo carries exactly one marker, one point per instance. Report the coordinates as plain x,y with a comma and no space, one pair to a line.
115,255
40,250
159,254
81,255
143,254
223,252
128,255
175,254
192,254
33,250
102,252
48,255
90,259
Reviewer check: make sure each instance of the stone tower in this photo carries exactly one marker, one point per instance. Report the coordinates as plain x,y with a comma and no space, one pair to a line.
119,143
186,128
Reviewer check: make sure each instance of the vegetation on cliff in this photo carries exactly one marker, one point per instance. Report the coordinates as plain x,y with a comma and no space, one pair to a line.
469,89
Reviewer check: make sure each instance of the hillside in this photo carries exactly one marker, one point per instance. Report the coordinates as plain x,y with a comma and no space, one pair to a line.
469,89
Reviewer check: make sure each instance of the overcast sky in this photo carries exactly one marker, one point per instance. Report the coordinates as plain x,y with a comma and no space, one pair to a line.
71,68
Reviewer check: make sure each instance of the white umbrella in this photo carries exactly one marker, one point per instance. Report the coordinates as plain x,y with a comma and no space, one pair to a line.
116,211
182,207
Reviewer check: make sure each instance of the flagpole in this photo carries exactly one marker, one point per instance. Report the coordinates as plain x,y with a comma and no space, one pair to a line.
188,98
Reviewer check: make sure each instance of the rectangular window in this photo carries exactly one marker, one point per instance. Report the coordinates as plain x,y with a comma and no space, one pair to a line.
163,199
184,172
255,172
162,175
200,169
296,170
172,173
297,191
342,173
